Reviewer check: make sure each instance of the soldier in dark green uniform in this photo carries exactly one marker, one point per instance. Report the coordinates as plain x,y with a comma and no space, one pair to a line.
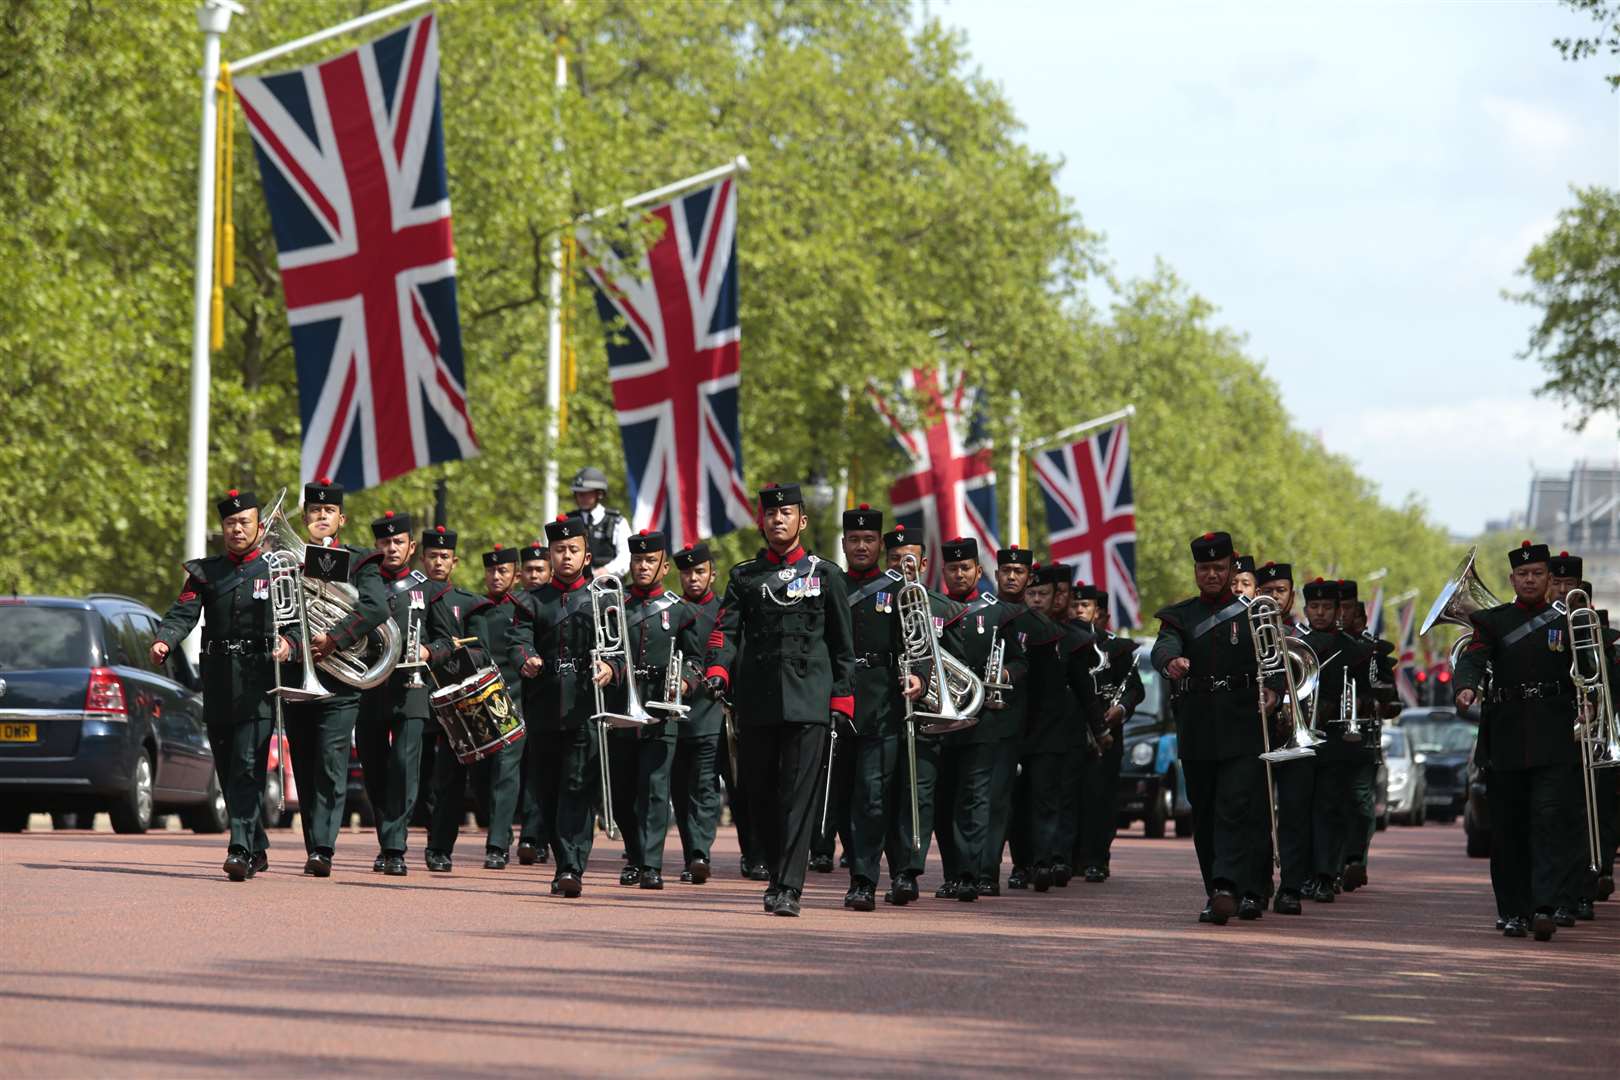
1608,780
1013,568
1564,572
1295,780
231,594
1343,752
1082,739
534,570
1533,773
695,775
1118,691
321,731
1375,703
782,644
552,638
1038,795
388,733
906,856
967,767
499,778
1206,653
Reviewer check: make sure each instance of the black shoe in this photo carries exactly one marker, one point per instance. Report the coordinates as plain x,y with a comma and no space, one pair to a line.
906,887
1338,885
967,891
377,863
787,903
1095,875
686,877
238,866
1307,891
760,872
566,885
394,866
437,861
862,895
1208,914
261,862
821,864
1564,917
1605,887
1355,876
986,887
1287,902
1324,891
494,859
1222,905
651,878
1043,878
528,852
1018,879
1514,927
843,861
1543,925
947,891
1062,874
1583,911
1251,908
1501,922
318,865
773,896
697,871
630,875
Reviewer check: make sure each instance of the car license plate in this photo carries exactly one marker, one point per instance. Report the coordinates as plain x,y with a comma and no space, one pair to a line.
12,731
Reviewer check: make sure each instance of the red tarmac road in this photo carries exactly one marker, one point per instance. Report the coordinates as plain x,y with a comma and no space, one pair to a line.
133,956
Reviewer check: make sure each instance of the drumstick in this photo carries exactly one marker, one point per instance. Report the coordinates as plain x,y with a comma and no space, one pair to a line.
464,641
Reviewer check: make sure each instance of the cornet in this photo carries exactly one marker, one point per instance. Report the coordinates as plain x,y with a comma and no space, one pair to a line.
673,684
995,672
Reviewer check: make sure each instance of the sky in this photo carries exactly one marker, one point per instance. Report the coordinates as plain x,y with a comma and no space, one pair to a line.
1353,185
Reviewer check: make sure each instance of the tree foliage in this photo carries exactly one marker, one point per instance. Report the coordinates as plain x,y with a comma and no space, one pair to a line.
890,207
1605,36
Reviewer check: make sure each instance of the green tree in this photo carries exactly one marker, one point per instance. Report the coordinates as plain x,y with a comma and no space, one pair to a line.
1605,37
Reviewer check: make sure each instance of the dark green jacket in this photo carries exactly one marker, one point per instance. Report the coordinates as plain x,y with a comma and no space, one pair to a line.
782,641
1527,649
984,621
1213,723
554,622
656,624
1339,653
1050,714
1121,671
707,717
370,612
407,589
879,650
491,620
232,598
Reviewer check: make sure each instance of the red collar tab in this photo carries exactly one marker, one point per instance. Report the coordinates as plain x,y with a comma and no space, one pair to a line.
246,557
568,586
394,575
864,575
791,557
973,594
1221,599
500,597
648,593
1522,606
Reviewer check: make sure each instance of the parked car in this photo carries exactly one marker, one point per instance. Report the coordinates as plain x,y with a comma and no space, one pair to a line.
1406,786
1442,740
87,723
1477,814
1151,789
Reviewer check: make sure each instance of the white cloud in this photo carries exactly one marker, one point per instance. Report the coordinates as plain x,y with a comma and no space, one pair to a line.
1530,128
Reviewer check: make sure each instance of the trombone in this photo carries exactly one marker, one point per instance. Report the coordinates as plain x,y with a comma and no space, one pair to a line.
607,620
1595,728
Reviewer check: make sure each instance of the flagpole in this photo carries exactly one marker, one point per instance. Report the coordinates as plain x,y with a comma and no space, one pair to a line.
1015,498
738,164
554,287
322,35
1070,432
213,19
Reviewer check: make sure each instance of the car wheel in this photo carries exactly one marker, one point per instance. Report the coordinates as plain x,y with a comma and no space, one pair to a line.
210,816
1158,814
131,812
13,818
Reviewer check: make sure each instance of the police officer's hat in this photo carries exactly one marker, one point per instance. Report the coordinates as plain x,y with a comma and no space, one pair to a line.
391,524
535,551
1527,553
1243,564
565,527
1321,589
1565,565
1015,556
323,492
646,542
896,537
688,557
1347,590
863,518
1273,571
1211,546
499,555
773,495
236,501
439,537
590,479
959,549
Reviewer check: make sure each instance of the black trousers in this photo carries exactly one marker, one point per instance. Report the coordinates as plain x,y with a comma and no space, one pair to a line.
1003,775
695,787
320,733
1099,806
736,797
842,796
1533,813
1296,824
1363,812
388,736
780,764
1070,796
532,827
1038,801
641,795
1333,814
962,807
495,787
870,761
1230,829
565,779
241,754
905,854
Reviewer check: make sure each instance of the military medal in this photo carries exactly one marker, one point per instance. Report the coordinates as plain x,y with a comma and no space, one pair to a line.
664,616
1234,632
981,624
261,589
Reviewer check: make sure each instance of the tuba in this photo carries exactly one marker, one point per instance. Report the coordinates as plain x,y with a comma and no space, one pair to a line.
326,605
1459,598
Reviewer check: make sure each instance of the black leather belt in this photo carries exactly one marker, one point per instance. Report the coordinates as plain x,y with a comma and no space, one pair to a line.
238,646
1214,684
874,659
1533,691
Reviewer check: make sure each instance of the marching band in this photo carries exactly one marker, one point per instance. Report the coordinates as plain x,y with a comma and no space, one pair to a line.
856,714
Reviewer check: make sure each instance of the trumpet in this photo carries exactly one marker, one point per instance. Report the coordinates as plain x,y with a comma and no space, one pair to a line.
1348,706
673,684
995,672
415,617
1595,727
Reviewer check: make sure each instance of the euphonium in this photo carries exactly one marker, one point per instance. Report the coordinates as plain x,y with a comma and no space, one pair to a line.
329,604
952,693
1277,654
1461,596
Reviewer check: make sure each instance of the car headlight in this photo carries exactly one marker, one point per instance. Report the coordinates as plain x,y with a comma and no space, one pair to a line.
1142,753
1397,778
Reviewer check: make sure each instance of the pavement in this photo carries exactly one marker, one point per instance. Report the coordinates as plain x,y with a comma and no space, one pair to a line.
134,956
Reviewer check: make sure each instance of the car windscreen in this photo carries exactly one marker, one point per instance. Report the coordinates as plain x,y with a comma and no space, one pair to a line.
1395,742
1151,683
1452,737
34,637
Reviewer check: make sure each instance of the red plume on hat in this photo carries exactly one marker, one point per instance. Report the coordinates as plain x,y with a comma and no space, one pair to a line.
233,493
438,528
388,513
325,481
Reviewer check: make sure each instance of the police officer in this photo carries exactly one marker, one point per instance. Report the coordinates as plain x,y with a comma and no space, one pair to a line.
968,758
321,731
1295,780
695,775
1204,649
388,731
1345,749
552,638
1038,795
607,533
1117,692
1534,763
231,594
534,570
782,647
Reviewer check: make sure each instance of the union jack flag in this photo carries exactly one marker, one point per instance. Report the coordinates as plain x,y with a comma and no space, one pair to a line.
1375,612
351,154
1406,654
675,370
950,491
1091,515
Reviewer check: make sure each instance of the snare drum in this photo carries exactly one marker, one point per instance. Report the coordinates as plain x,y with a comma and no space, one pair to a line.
477,715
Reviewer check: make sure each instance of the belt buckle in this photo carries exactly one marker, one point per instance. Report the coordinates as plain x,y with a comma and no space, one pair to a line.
863,660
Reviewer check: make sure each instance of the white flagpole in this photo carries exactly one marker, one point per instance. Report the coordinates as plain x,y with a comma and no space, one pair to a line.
554,291
322,35
1015,498
1078,429
213,19
738,164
